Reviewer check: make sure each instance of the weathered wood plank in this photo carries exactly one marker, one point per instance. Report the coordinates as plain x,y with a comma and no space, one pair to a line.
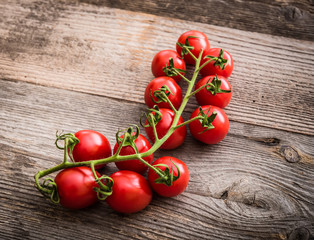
107,52
290,18
256,184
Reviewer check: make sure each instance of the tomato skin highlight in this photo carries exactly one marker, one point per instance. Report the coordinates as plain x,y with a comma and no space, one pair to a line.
177,186
76,187
205,97
210,69
131,192
92,146
161,60
163,126
198,43
175,98
212,136
135,165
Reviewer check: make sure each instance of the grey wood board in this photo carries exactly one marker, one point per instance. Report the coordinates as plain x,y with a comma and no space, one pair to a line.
255,184
105,51
290,18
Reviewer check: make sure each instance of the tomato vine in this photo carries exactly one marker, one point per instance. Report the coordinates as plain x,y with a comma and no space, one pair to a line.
164,175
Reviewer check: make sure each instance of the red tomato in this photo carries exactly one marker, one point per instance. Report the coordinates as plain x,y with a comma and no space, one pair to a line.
76,187
220,99
197,43
156,84
177,186
135,165
220,123
161,60
163,126
213,69
130,193
92,146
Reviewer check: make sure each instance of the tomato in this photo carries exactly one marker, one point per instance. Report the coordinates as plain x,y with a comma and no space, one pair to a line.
92,146
161,60
131,192
213,69
220,123
135,165
163,126
76,187
206,97
201,42
175,97
177,186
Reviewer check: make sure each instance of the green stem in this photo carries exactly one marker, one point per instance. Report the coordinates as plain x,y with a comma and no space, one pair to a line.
192,55
116,157
187,122
205,63
170,103
183,77
199,89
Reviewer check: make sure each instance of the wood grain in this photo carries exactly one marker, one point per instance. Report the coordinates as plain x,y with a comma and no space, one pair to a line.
107,52
290,18
256,184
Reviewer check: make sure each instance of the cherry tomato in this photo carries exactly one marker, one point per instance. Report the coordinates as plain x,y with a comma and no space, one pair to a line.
92,146
135,165
163,126
177,186
131,192
76,187
213,69
161,60
220,123
175,97
201,42
206,97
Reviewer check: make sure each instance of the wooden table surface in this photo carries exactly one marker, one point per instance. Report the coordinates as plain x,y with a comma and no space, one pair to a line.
72,65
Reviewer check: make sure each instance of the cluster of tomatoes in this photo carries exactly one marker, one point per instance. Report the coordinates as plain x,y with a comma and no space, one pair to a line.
213,92
131,191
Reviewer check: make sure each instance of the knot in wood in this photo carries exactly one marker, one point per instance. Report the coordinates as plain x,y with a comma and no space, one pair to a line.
299,234
292,13
289,154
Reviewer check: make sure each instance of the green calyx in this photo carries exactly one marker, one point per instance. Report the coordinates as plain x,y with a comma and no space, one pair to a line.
170,70
151,118
129,136
215,85
166,177
206,121
105,187
49,188
186,47
219,61
69,138
162,94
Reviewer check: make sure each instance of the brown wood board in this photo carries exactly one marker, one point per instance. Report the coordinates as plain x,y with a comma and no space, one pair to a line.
72,65
257,183
108,52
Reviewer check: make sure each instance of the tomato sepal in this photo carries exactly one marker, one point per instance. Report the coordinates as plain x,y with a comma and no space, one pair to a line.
129,136
161,94
105,189
151,118
70,140
219,61
186,46
205,120
214,86
171,71
166,177
49,188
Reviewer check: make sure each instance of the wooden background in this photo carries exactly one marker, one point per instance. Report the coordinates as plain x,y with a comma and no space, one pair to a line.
72,65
